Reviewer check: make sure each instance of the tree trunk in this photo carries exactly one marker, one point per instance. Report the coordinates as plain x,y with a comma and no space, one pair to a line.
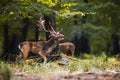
108,49
86,1
84,39
49,21
84,43
115,44
80,39
13,46
47,26
75,21
76,41
115,24
6,41
25,29
36,33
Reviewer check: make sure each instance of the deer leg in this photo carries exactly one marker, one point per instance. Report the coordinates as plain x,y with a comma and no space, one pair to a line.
59,52
45,60
72,53
19,58
25,55
44,57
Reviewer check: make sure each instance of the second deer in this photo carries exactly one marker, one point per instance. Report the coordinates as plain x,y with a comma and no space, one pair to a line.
67,48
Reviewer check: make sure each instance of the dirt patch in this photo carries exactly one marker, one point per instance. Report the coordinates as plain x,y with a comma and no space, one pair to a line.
107,75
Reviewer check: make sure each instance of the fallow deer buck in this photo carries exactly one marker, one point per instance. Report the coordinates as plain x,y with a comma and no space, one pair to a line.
67,48
42,48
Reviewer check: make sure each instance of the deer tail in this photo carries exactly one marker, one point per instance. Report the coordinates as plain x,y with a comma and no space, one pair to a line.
19,46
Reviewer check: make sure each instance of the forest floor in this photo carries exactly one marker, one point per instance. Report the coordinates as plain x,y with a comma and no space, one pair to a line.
95,68
107,75
66,68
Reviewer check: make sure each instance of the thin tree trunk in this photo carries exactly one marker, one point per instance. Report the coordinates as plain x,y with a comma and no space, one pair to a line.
25,29
84,43
108,49
6,40
86,1
36,34
49,21
47,26
75,21
115,22
77,43
14,44
115,44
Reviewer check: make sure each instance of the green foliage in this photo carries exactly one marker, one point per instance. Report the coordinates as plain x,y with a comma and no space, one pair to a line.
101,22
15,11
106,10
88,56
5,72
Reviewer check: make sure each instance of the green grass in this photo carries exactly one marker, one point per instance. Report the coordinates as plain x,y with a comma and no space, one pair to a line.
5,72
90,64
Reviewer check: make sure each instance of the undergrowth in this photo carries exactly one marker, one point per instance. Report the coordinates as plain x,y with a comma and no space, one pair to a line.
5,72
88,63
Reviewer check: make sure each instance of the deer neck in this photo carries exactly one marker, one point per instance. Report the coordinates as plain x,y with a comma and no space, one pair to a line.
51,44
52,41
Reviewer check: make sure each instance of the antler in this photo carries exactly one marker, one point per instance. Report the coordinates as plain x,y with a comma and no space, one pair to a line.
41,25
53,31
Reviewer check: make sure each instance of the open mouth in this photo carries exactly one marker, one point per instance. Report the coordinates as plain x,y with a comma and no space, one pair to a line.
61,38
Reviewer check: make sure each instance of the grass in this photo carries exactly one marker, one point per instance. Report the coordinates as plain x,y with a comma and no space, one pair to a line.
5,72
89,63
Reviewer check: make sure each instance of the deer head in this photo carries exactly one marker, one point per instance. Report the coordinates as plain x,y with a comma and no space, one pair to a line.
56,34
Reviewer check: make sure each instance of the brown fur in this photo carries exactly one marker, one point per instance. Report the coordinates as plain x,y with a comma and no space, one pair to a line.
67,48
42,48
